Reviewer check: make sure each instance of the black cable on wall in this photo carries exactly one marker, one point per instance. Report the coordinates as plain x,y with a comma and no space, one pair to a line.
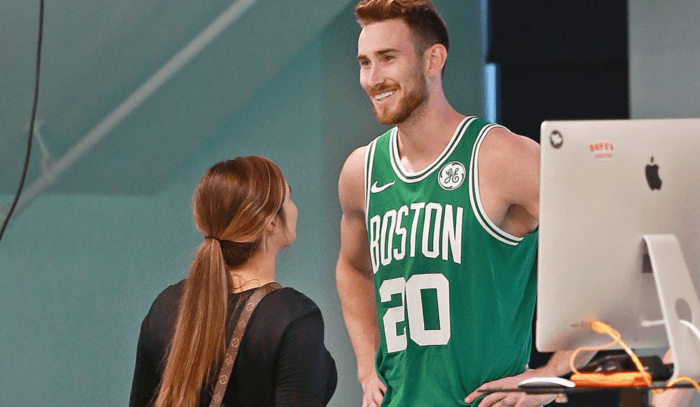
31,123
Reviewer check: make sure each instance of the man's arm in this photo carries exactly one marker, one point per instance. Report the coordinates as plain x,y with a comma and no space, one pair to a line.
509,176
557,366
509,181
355,280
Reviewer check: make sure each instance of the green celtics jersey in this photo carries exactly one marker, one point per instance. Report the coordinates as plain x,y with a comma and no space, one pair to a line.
455,293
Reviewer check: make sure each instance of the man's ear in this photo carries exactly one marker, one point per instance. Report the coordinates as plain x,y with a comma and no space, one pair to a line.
435,58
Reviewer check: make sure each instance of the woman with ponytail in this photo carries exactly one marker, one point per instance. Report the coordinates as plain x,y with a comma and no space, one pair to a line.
244,211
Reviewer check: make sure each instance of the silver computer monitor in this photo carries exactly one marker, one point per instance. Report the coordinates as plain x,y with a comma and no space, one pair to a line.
605,186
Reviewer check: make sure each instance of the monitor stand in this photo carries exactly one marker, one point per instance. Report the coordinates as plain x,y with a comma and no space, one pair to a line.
679,301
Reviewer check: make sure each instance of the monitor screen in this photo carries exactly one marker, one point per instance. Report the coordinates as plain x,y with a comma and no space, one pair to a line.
605,184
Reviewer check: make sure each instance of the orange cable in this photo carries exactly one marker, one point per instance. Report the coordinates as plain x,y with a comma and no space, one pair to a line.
614,379
625,378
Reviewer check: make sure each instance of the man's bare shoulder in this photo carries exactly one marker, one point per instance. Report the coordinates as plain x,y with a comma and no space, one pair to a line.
351,182
509,167
355,162
502,145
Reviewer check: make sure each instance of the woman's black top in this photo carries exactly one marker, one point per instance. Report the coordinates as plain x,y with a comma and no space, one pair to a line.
282,360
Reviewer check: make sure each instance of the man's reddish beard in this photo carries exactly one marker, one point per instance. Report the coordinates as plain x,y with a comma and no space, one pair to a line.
407,105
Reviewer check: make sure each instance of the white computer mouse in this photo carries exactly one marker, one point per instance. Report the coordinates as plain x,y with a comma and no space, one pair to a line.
546,382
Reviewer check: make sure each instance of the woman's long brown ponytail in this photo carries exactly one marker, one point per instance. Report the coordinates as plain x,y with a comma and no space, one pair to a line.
233,204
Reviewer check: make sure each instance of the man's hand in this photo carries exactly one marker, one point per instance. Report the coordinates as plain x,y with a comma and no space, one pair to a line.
514,399
558,365
373,391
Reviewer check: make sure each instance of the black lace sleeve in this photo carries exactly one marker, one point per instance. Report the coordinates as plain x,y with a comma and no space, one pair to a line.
156,330
306,372
146,376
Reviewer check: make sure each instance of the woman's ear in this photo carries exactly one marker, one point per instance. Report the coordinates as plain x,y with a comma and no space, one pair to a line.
274,226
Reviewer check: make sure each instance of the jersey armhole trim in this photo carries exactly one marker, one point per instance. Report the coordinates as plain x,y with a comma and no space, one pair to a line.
369,163
475,196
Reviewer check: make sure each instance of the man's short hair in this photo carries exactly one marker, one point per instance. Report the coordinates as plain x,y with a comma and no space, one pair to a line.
420,16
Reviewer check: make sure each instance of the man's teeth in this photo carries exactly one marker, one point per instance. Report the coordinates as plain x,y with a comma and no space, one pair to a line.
384,95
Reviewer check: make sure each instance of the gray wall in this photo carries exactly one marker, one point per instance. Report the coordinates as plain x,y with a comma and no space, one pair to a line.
664,63
664,52
79,272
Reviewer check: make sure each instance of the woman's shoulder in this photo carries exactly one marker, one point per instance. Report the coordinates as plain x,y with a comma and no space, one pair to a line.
169,297
280,312
163,311
158,325
288,303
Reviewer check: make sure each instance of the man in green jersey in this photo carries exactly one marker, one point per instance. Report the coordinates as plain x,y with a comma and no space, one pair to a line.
435,271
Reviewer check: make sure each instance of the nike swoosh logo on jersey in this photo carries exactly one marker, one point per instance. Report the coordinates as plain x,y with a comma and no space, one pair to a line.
375,189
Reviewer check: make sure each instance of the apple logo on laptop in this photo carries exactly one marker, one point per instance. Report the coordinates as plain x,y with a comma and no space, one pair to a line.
652,173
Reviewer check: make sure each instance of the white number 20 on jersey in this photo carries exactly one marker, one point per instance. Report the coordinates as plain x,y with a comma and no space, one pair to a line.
412,298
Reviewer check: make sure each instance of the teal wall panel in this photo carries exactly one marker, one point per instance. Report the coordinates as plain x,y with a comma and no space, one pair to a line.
79,272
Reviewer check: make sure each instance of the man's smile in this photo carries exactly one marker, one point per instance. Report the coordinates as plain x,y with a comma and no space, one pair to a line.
380,97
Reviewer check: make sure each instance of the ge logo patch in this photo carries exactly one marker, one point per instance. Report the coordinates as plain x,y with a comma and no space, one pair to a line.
452,175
